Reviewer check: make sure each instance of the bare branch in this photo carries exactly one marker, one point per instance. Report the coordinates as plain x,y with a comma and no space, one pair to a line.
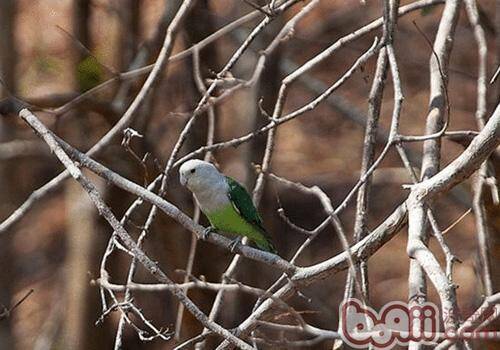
104,211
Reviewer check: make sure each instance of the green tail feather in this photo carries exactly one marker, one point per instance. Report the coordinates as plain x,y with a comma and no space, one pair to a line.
266,245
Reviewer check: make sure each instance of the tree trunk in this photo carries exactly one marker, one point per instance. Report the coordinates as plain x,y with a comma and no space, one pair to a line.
82,305
8,190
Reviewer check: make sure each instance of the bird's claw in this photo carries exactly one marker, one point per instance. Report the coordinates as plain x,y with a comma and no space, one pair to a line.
207,231
234,243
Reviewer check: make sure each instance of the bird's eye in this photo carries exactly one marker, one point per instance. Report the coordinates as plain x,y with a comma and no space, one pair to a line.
193,170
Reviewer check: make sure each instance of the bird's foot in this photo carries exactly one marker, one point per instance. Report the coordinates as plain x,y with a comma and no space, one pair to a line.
234,243
207,231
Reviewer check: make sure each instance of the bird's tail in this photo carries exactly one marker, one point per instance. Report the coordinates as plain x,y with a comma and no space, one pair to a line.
266,245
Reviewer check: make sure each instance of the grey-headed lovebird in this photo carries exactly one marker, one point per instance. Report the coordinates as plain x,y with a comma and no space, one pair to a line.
225,202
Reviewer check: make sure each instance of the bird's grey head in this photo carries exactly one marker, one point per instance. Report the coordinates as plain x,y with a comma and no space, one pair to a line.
197,174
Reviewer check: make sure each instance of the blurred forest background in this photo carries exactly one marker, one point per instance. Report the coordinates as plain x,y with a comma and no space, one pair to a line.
53,50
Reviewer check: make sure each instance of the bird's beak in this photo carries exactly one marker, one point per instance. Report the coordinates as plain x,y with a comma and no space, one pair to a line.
183,180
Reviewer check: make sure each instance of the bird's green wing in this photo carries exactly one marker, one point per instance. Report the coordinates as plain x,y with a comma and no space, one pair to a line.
243,203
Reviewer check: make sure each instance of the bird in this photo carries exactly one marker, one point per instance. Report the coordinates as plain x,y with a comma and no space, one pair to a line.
226,203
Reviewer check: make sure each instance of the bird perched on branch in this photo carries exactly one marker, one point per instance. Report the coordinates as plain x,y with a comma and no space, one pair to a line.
225,202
